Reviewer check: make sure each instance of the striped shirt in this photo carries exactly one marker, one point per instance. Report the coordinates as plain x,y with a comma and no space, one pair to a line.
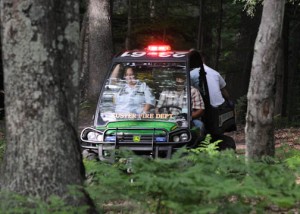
179,99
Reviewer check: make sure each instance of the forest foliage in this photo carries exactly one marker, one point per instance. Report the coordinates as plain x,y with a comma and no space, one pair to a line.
198,182
193,181
201,179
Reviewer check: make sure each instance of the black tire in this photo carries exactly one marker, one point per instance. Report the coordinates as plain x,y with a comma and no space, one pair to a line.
227,142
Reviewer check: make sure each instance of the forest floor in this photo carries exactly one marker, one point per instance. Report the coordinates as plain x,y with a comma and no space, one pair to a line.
286,136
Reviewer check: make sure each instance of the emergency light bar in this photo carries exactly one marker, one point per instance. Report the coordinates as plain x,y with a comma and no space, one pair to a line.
159,48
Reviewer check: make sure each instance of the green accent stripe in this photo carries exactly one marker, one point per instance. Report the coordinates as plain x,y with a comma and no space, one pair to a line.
142,124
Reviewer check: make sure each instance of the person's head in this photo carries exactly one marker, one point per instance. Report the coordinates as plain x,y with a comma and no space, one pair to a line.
203,57
195,59
180,79
129,76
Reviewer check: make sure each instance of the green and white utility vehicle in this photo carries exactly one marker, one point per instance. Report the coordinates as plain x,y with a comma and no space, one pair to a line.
157,132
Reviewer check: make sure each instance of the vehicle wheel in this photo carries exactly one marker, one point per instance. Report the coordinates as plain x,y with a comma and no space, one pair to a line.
89,155
227,142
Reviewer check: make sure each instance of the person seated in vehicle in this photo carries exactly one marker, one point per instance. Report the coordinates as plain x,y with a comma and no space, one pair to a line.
135,96
177,98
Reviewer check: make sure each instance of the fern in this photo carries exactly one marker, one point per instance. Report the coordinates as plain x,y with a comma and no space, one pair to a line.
195,181
206,146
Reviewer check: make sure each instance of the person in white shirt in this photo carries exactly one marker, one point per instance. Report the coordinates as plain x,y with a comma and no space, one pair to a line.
215,82
135,97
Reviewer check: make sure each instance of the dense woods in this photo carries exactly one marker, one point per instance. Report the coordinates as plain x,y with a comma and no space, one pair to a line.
55,55
224,31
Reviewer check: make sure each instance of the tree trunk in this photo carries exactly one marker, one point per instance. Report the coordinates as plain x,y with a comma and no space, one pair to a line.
200,26
279,81
219,33
152,8
40,59
84,56
129,26
164,17
259,120
100,45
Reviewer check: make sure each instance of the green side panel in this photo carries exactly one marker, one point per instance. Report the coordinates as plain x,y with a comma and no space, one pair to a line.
169,126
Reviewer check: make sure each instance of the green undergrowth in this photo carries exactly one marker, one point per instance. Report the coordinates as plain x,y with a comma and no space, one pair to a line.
11,203
195,181
200,180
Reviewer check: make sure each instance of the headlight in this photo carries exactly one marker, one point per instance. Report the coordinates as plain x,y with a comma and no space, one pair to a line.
181,137
176,138
184,137
93,136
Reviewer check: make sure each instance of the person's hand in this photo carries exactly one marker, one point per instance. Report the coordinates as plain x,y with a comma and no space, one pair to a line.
182,115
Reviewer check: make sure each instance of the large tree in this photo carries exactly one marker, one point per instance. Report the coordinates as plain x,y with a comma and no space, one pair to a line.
259,120
40,59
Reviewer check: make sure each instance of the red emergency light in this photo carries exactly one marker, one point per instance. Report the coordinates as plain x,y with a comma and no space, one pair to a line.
159,48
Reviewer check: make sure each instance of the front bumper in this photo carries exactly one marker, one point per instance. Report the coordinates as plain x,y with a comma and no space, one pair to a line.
154,142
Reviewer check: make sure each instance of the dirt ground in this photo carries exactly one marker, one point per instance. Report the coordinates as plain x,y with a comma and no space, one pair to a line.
286,136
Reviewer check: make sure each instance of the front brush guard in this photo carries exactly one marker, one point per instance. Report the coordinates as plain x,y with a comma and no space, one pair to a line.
150,145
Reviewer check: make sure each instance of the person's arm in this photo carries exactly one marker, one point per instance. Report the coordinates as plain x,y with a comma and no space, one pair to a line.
227,98
149,98
197,103
146,108
197,113
115,74
225,93
161,101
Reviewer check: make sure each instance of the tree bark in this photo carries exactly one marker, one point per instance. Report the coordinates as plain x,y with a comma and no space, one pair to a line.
219,35
84,65
279,81
129,26
259,130
40,59
100,45
200,26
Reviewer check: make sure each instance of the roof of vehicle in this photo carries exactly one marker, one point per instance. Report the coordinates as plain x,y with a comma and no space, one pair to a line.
144,55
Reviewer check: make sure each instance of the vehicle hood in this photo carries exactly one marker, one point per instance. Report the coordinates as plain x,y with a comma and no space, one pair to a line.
169,126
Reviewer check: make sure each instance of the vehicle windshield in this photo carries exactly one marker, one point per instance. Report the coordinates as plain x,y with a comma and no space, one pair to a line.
144,91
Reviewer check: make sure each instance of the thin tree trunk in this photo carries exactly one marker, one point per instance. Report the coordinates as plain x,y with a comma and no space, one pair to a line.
219,32
129,26
152,8
164,18
259,130
200,26
100,45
